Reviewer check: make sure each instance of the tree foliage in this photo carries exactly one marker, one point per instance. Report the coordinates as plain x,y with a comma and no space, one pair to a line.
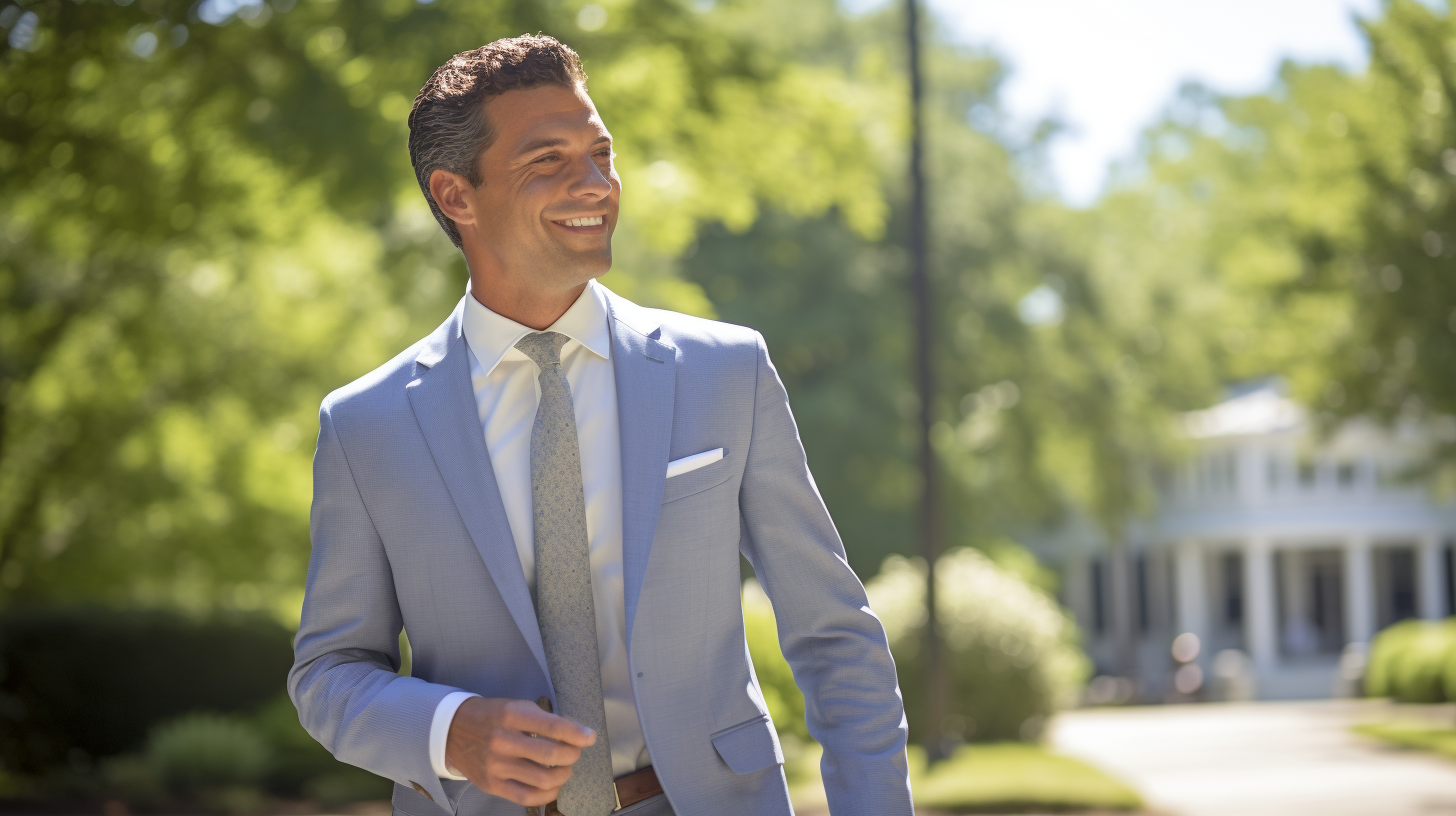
1036,414
207,221
1324,209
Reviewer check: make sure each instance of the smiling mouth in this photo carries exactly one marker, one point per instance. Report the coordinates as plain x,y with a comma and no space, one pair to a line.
593,221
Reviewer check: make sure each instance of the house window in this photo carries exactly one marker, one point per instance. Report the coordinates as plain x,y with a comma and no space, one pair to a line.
1140,576
1232,573
1403,583
1450,570
1099,596
1307,473
1395,581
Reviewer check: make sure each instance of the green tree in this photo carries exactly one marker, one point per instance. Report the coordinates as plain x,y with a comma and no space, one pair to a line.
1040,415
207,221
1324,209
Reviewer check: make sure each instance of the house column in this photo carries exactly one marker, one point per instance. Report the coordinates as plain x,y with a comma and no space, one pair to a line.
1260,628
1359,590
1430,580
1192,590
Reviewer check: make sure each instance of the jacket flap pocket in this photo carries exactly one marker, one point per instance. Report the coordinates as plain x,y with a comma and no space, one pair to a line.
750,746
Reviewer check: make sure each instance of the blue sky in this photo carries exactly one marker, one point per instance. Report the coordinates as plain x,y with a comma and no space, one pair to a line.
1107,67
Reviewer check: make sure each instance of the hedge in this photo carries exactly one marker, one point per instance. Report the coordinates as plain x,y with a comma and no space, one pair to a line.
1414,661
82,683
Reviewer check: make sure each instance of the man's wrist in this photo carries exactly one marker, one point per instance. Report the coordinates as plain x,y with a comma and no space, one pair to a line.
440,732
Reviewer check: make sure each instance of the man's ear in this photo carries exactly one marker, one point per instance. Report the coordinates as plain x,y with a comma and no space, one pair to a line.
450,193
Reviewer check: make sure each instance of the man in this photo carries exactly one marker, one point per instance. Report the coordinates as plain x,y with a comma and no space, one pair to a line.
550,494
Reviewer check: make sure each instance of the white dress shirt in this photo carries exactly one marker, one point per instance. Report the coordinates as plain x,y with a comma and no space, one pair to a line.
506,393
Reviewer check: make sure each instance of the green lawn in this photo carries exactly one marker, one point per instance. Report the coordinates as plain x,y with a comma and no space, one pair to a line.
1424,737
996,778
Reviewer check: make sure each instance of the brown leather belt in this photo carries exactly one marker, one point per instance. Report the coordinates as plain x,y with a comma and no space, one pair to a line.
631,789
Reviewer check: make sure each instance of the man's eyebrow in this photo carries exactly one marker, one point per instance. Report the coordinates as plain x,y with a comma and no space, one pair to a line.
552,141
537,144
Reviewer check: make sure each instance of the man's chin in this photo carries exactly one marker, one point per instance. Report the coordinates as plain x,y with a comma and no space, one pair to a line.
589,265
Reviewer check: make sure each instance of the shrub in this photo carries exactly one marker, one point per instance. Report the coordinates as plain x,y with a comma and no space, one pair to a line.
131,779
1012,651
202,752
1413,661
95,681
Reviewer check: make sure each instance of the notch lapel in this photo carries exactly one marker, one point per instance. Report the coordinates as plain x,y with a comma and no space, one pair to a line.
444,405
646,373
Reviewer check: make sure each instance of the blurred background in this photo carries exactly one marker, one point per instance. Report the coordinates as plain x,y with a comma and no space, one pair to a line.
1192,319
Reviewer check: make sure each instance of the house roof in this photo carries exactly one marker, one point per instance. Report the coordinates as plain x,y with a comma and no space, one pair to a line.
1262,409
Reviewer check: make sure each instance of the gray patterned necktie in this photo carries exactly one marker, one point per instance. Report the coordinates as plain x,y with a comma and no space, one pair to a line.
564,605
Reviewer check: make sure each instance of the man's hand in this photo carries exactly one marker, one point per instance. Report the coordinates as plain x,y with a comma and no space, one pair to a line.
513,749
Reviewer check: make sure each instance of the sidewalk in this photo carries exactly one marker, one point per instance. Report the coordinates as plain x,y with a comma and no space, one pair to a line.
1262,759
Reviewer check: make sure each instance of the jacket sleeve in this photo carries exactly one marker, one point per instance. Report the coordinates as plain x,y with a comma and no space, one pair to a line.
835,645
346,654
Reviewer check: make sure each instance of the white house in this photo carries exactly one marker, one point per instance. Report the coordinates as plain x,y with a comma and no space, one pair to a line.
1274,543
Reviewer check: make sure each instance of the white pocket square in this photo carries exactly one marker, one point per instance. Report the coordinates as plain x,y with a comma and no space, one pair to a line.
678,467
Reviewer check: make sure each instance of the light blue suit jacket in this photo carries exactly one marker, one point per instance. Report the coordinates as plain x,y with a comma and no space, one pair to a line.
409,531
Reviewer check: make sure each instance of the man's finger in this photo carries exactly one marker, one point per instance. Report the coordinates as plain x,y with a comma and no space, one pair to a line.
523,794
544,751
533,720
537,776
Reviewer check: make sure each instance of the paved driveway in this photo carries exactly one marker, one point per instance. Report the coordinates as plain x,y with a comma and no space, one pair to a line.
1261,759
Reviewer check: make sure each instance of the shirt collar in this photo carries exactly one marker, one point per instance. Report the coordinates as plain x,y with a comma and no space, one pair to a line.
491,336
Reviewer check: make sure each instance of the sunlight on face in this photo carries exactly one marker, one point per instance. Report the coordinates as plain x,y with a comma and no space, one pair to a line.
550,194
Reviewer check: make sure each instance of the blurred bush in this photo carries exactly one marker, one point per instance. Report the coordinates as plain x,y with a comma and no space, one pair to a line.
203,751
159,710
225,764
83,683
1013,650
130,778
1414,661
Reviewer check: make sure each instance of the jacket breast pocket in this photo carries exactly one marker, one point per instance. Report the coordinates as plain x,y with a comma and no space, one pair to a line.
696,481
749,746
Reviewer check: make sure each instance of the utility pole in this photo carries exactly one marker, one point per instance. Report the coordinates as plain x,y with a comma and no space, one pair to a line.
937,679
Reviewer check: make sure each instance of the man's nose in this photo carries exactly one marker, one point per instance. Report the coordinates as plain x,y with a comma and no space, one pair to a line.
590,181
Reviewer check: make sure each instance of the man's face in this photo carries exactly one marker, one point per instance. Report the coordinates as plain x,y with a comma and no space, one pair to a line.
549,198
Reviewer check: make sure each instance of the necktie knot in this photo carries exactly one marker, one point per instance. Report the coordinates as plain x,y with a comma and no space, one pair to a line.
544,348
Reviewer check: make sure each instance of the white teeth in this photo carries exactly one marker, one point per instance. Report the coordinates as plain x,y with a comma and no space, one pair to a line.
583,222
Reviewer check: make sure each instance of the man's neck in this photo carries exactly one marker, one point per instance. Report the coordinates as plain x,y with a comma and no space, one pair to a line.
535,307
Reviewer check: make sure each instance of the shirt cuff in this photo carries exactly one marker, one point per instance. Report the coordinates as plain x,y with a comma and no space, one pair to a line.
440,732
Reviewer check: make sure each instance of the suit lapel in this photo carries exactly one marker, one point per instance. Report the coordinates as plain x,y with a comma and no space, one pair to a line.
646,373
445,407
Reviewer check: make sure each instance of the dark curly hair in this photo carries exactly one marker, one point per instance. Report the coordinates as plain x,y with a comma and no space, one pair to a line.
448,128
